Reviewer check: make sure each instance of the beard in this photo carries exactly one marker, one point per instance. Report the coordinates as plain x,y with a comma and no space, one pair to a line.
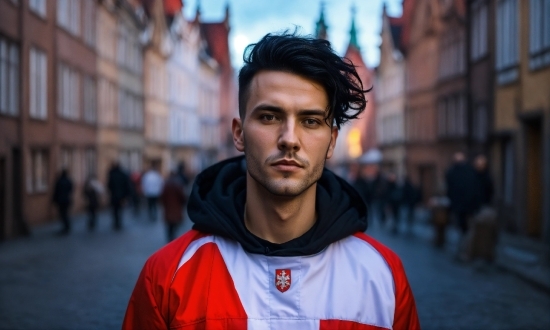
287,184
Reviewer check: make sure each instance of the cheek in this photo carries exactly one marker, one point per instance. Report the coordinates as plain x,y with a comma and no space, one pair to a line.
258,139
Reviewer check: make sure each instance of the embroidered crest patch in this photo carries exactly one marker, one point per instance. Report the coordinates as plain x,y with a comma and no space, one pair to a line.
282,279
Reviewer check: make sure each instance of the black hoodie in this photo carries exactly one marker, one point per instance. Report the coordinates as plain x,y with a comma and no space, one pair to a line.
217,202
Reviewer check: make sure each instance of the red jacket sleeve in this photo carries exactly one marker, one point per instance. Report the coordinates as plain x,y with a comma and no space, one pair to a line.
143,310
149,303
405,315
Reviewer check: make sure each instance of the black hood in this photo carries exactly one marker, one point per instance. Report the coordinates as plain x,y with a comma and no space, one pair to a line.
217,202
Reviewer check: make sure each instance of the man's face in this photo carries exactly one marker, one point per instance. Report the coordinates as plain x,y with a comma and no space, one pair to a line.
283,134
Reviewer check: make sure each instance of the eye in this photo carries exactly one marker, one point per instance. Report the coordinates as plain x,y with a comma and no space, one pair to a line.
267,117
310,122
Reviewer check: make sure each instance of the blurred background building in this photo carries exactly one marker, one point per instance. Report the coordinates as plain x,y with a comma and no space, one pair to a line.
84,84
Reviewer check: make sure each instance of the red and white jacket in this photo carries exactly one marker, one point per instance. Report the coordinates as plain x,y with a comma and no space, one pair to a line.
202,281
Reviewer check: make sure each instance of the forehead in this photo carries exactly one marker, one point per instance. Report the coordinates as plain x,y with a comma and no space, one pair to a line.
286,90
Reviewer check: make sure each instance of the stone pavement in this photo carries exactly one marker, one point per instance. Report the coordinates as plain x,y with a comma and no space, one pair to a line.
84,280
526,258
79,281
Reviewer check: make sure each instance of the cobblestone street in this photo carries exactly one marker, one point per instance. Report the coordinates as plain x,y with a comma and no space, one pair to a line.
84,280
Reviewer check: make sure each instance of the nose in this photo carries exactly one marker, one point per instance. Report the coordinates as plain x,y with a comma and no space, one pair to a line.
288,138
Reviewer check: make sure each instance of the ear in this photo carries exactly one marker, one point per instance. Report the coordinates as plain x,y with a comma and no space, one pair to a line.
333,137
238,134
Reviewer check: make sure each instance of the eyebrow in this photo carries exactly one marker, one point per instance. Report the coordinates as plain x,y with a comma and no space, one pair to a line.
276,109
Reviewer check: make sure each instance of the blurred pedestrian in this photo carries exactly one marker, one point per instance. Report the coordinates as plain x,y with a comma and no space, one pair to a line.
182,175
173,200
93,190
63,199
137,192
119,188
461,180
151,184
373,187
484,181
412,196
394,200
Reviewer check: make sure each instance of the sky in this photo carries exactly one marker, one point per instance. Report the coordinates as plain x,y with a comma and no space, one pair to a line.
252,19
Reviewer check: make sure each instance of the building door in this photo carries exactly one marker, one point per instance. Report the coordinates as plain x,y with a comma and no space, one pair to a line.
20,227
3,210
534,152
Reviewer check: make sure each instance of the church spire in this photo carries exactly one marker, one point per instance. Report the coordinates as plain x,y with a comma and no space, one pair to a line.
353,31
321,26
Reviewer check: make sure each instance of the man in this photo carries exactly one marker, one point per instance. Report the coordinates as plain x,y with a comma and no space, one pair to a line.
278,244
462,190
63,199
118,183
173,200
151,184
484,181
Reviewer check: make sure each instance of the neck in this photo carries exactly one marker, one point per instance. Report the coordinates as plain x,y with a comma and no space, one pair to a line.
278,219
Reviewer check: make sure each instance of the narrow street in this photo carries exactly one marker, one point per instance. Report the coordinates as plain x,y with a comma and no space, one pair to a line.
84,280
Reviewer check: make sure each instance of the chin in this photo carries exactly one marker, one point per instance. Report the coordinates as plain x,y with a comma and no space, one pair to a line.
284,188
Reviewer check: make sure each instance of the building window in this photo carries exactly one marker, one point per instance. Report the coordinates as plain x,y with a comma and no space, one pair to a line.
89,19
478,30
507,43
131,110
69,92
90,100
39,7
451,62
38,84
480,124
90,162
108,103
539,34
452,118
9,78
68,15
37,178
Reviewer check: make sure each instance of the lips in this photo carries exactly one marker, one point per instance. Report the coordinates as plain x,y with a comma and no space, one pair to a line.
286,165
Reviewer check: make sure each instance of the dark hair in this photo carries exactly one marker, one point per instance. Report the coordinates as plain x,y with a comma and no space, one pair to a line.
310,58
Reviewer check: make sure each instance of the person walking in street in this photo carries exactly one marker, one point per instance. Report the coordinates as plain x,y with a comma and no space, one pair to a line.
394,200
484,181
135,178
151,184
462,190
278,243
119,188
63,199
173,199
373,186
93,190
412,196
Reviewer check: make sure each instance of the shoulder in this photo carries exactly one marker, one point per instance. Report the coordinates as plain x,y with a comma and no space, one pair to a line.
391,258
165,261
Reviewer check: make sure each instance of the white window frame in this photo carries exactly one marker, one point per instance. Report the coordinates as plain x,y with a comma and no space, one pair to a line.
38,7
479,30
9,78
90,100
89,21
69,14
38,84
539,34
38,175
507,41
